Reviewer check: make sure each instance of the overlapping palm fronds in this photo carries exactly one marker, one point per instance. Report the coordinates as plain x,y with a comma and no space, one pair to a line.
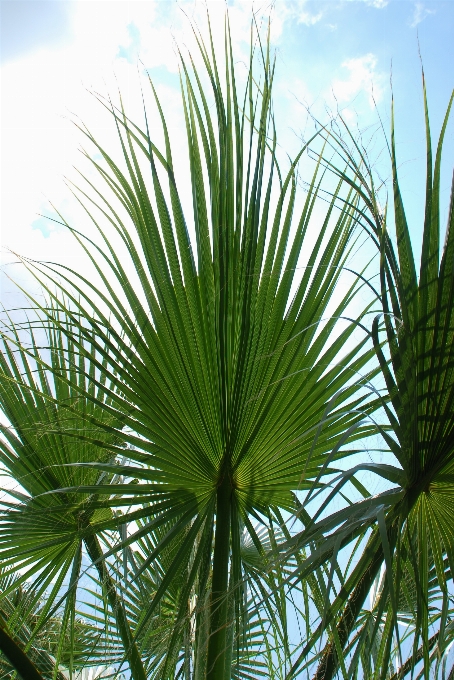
168,641
189,392
41,637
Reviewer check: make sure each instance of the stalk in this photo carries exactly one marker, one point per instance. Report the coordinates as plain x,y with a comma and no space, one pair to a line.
230,634
217,657
96,555
329,662
202,630
413,660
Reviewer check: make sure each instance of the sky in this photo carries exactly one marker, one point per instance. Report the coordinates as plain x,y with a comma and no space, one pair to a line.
330,55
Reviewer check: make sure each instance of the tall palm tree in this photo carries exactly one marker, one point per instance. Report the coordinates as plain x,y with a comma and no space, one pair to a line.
411,525
52,431
220,360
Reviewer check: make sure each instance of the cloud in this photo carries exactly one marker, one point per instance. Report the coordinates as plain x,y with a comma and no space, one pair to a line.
362,78
309,19
286,11
41,91
420,13
378,4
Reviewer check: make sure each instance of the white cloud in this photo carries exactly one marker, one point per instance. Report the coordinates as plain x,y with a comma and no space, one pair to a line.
298,97
362,78
378,4
291,11
42,90
420,13
309,19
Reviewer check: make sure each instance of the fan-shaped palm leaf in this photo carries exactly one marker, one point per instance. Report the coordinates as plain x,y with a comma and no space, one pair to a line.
220,357
21,614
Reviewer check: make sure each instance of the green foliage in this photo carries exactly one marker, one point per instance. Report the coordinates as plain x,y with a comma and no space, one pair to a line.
181,437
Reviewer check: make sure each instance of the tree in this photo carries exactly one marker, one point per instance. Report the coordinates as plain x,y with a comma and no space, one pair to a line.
205,388
220,371
43,533
412,535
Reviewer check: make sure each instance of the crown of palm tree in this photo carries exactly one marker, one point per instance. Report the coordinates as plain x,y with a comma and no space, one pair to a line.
219,361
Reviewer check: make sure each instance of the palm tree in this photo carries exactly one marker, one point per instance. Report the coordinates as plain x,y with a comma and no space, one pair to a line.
45,520
411,529
220,362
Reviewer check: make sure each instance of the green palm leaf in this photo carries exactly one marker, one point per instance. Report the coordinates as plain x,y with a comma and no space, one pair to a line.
216,357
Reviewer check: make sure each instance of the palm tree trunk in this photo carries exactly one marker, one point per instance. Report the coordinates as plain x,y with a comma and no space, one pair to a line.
329,662
411,662
217,656
96,555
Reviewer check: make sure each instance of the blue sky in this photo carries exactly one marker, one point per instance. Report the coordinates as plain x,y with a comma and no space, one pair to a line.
330,54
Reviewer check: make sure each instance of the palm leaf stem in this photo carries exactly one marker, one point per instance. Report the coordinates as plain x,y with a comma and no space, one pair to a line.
329,662
217,656
96,555
412,660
